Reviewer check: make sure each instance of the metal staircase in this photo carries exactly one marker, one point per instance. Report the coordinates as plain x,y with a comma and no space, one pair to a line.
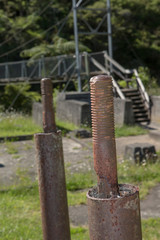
134,90
141,114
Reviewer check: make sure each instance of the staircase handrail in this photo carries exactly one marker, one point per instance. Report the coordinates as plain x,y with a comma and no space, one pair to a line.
116,64
142,89
115,85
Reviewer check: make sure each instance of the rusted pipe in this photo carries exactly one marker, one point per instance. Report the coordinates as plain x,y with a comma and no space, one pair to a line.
52,187
47,104
113,210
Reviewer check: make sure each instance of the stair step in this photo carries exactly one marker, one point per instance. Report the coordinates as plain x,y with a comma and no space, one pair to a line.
135,98
133,94
141,115
142,120
136,106
136,110
125,90
138,102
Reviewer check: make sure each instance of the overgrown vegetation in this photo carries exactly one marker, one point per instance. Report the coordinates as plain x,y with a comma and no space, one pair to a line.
135,26
18,97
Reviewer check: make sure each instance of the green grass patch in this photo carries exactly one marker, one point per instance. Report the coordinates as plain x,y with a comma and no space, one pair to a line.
13,124
65,127
10,148
151,229
20,208
79,233
20,217
146,176
129,130
79,181
76,197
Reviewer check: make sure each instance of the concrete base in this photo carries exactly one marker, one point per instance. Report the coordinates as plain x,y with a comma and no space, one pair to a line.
139,152
75,108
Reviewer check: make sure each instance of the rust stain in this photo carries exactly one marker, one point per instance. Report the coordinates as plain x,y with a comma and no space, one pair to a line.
47,103
113,210
102,111
51,174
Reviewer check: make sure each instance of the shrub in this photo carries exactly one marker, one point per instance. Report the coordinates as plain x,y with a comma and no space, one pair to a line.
18,97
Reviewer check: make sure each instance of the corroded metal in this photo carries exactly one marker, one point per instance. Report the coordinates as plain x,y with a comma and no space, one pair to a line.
47,103
104,149
115,218
113,210
51,174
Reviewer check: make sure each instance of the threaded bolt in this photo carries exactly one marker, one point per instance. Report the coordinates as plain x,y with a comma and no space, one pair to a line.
47,103
104,149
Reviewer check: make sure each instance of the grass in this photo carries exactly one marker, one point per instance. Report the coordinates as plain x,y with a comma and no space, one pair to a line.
129,130
20,208
65,127
10,148
78,181
14,124
20,217
145,176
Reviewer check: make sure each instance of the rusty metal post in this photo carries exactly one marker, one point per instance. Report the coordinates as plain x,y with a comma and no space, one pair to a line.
113,210
52,187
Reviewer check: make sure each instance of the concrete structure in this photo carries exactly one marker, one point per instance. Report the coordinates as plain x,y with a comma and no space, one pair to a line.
155,111
75,107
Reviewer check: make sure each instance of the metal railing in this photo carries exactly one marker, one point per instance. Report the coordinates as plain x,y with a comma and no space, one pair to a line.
63,68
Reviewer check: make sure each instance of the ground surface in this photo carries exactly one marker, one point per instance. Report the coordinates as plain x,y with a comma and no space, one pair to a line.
16,156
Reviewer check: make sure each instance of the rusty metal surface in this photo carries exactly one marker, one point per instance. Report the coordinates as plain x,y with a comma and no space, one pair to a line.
104,148
47,103
113,210
52,186
115,218
53,198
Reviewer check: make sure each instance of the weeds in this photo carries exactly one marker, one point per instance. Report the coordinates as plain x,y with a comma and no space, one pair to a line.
79,181
129,130
146,176
10,148
14,124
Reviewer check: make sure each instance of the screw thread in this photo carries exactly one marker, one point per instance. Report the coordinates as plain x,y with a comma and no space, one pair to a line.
102,112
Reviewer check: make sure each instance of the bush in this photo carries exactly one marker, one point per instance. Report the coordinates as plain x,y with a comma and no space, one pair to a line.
18,97
145,76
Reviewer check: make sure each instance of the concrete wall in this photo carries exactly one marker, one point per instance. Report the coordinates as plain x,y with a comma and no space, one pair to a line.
75,108
37,113
155,114
78,110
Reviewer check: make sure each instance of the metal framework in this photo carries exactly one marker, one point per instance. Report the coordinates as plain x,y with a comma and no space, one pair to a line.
78,8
